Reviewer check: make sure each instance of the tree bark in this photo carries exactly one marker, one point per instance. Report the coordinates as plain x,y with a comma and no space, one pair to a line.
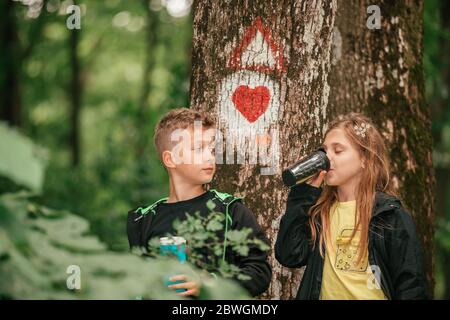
322,61
14,55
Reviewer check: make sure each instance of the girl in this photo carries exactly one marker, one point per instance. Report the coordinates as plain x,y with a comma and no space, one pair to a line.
353,235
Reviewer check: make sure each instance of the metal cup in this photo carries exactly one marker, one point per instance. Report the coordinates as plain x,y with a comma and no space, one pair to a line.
306,167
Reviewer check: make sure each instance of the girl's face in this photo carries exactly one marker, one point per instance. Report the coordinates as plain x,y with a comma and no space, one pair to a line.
345,161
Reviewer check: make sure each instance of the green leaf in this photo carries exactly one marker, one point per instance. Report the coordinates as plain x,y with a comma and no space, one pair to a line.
242,276
200,236
261,245
242,250
21,160
210,205
236,235
214,225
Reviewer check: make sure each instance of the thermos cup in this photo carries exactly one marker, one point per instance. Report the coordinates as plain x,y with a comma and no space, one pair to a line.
306,167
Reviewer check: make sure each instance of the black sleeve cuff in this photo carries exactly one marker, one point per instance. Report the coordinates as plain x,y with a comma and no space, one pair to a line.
303,189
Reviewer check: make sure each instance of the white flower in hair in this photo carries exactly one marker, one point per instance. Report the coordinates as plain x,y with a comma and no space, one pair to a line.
362,129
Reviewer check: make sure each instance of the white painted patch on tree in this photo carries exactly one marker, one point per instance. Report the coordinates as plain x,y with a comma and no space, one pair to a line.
248,99
258,52
248,115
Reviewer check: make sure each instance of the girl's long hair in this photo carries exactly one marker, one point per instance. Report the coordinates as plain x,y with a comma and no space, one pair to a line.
375,177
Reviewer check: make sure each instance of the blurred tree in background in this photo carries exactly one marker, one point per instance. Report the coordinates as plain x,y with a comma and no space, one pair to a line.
92,97
437,76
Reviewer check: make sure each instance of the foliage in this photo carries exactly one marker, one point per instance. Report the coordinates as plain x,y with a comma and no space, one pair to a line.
204,234
22,161
39,244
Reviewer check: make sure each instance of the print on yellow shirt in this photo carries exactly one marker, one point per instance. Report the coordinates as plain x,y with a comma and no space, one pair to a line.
347,253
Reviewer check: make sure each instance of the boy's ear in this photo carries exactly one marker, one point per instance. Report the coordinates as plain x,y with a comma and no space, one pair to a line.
167,159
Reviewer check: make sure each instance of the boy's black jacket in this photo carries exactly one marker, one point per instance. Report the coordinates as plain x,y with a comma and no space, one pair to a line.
393,246
141,229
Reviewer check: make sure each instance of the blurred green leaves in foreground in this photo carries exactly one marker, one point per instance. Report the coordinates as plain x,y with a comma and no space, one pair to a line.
39,246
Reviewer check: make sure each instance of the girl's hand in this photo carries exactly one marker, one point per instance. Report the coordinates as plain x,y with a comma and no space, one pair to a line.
317,180
192,287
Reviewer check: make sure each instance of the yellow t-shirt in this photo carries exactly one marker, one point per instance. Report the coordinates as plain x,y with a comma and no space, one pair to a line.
343,278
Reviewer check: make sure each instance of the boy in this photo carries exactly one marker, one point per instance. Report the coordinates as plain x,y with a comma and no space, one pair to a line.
190,165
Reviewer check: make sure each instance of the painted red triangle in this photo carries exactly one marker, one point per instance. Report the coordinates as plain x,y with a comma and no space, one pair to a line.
249,35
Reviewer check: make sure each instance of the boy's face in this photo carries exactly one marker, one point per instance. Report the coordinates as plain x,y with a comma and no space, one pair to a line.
192,156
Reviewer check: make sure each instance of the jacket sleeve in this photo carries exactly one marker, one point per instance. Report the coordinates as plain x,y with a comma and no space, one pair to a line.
293,247
405,259
255,264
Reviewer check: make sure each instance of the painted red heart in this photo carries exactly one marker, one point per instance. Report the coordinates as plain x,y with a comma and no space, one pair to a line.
251,103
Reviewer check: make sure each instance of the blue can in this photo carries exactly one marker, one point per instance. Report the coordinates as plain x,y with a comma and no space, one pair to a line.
165,246
179,247
173,246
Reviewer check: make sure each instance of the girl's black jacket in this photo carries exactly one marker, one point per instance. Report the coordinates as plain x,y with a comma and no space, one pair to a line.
393,246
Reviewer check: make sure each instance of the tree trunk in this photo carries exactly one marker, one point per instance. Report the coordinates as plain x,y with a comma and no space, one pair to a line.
281,70
439,109
144,108
75,92
10,62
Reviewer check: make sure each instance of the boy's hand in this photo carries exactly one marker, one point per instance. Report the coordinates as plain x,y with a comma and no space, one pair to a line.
317,180
192,287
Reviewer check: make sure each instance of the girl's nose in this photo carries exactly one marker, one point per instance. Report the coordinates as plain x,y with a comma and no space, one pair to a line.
331,159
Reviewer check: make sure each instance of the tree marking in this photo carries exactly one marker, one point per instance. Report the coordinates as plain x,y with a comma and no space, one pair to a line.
251,103
249,99
258,51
